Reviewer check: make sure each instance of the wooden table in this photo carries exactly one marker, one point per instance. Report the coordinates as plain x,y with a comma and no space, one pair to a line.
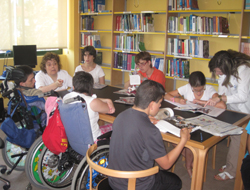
198,148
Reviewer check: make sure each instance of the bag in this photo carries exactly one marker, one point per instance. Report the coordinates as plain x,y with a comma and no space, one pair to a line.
54,136
22,137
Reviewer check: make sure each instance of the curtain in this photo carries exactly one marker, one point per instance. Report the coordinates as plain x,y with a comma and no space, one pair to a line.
33,22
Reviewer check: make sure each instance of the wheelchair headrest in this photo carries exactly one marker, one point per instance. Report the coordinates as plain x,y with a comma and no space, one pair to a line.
13,73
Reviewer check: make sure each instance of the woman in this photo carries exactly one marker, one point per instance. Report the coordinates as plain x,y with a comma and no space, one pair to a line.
51,77
147,72
89,55
195,91
233,69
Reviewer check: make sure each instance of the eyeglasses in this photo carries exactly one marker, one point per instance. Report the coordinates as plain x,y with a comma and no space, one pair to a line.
198,91
142,63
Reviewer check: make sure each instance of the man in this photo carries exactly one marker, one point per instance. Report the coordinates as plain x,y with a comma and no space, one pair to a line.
136,143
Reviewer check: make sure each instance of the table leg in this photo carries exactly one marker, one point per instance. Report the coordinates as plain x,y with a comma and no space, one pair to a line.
195,167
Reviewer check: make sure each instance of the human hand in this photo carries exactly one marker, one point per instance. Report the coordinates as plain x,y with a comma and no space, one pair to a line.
59,83
182,101
212,101
111,106
153,119
185,134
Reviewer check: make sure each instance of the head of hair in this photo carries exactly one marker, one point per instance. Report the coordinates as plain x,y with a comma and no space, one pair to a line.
228,62
26,70
197,79
143,56
83,82
147,92
49,56
89,49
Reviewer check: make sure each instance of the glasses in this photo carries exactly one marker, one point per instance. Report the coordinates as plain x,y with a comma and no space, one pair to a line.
198,91
142,63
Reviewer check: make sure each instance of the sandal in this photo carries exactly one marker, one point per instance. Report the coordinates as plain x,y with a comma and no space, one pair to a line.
223,176
222,169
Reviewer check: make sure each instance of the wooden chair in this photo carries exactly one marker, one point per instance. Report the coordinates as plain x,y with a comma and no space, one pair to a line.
130,175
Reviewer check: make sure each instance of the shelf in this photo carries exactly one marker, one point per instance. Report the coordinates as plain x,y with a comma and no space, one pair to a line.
136,32
206,11
139,12
96,14
209,81
135,52
96,31
206,35
188,57
99,49
122,70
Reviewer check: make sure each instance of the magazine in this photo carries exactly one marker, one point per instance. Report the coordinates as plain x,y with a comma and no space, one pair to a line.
126,100
126,92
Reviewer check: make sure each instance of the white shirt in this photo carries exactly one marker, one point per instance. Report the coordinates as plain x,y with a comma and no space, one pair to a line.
238,91
96,73
93,116
187,93
43,79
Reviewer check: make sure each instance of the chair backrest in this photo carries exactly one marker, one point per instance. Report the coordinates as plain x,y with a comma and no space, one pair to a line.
130,175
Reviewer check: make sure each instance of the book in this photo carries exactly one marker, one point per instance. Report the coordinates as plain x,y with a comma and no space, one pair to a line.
97,41
98,59
125,92
99,5
205,48
247,4
126,100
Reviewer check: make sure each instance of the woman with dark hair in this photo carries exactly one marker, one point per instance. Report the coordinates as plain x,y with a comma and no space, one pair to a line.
89,56
233,70
51,77
196,91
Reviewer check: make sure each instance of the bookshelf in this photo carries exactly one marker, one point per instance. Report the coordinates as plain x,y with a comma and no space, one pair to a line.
156,42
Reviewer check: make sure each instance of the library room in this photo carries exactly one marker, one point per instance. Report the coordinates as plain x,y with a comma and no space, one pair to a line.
77,75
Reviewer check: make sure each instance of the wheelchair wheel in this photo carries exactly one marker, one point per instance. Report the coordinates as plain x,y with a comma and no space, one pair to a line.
49,173
81,177
12,149
31,163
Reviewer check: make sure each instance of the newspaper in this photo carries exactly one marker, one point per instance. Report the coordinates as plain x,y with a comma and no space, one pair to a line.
126,100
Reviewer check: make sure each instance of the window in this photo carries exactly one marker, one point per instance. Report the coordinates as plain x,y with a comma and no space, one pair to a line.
39,22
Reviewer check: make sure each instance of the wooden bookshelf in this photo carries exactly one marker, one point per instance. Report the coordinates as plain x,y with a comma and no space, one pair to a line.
157,42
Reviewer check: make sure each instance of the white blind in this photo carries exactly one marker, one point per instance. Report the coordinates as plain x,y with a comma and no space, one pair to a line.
33,22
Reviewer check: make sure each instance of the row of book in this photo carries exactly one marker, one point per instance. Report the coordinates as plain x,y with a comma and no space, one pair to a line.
247,4
87,39
245,48
188,47
129,42
143,22
91,6
174,5
178,68
87,23
198,25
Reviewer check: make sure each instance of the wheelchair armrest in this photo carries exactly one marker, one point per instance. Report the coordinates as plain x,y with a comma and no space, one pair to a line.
105,135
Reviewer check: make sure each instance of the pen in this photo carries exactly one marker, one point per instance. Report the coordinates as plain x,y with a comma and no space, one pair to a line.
229,130
201,136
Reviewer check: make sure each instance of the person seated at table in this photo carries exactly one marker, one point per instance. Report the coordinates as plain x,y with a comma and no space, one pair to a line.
245,167
136,144
233,70
198,92
27,82
89,56
147,72
51,76
83,84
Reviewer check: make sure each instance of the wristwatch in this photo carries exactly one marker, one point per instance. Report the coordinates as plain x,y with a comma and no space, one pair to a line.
220,96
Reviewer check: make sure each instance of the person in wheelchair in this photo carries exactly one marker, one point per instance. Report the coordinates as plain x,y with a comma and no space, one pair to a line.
83,84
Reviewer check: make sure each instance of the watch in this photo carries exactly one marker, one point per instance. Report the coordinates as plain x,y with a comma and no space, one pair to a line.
220,96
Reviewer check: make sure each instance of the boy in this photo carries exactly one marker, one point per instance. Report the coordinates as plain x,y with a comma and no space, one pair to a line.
147,72
136,143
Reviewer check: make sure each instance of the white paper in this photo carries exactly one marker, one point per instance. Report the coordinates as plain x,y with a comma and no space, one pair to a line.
135,79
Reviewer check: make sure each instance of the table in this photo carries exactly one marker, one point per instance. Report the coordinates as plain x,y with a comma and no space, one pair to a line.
198,148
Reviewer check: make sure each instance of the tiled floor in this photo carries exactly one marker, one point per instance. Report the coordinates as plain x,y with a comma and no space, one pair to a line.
19,180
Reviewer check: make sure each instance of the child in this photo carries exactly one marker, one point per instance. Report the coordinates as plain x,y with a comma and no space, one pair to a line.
198,92
136,143
89,55
83,85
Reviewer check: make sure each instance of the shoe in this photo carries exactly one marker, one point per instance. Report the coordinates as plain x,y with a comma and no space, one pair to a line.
222,169
223,176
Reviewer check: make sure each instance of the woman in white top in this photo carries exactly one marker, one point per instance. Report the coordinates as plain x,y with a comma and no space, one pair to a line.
89,55
197,92
83,85
233,69
51,77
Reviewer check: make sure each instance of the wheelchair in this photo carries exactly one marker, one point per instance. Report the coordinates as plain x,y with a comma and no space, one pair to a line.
23,113
47,170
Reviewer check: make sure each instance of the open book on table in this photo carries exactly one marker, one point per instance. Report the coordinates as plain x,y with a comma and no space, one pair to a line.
189,106
125,92
126,100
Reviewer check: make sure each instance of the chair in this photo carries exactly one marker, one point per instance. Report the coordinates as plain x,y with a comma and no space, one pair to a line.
130,175
3,170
